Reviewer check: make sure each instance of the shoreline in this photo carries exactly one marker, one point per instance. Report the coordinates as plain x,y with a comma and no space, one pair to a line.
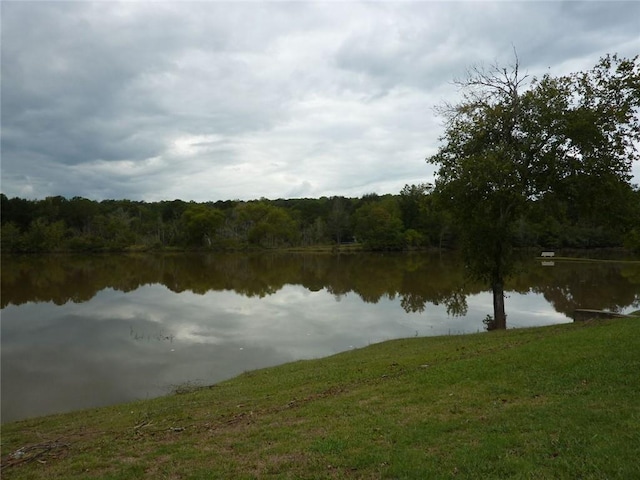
411,408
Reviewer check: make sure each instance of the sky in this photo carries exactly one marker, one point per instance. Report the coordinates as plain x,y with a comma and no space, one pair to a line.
211,101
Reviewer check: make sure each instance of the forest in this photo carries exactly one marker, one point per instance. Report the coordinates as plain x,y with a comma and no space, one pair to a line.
412,219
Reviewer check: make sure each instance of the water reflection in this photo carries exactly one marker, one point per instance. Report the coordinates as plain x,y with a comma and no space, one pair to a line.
89,331
417,279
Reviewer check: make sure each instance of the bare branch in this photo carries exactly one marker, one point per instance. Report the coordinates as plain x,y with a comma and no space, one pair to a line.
483,84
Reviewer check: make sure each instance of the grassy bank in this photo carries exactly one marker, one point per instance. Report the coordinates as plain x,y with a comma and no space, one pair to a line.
553,402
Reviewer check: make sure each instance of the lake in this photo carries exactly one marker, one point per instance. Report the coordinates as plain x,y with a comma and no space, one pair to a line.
88,331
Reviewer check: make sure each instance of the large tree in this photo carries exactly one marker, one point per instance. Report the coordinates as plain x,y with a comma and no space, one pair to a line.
513,141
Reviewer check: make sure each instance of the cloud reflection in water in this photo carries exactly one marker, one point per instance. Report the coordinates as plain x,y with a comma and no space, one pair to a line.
124,346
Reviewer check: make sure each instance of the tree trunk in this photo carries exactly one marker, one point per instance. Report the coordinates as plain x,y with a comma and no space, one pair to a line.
499,317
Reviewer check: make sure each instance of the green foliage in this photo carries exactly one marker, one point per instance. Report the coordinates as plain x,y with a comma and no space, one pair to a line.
378,225
200,223
413,238
273,227
10,238
265,225
562,150
338,220
44,236
632,240
413,205
116,225
426,224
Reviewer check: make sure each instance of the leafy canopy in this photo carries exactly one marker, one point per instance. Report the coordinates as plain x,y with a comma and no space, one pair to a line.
512,141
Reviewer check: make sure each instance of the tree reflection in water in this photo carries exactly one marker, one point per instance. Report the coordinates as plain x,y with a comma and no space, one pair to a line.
417,279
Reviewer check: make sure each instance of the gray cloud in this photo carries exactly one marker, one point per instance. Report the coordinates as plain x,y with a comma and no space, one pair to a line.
210,100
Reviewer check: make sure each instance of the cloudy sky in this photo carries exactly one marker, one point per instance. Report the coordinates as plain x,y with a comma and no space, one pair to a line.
241,100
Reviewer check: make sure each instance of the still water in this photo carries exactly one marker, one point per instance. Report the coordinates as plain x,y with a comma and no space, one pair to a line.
86,331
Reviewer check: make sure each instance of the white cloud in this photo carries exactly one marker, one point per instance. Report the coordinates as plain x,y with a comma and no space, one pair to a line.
209,100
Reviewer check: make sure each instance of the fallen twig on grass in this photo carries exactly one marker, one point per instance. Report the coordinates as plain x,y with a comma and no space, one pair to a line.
31,452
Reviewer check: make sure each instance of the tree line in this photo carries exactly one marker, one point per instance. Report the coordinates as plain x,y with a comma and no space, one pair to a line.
416,218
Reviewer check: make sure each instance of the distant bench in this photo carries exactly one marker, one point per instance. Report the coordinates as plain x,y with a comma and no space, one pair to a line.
548,254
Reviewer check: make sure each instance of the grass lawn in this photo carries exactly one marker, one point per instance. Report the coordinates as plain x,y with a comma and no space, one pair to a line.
541,403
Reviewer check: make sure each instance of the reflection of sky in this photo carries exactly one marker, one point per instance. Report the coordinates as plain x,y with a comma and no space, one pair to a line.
122,346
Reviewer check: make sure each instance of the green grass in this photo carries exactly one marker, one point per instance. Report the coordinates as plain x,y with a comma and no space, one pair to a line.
543,403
